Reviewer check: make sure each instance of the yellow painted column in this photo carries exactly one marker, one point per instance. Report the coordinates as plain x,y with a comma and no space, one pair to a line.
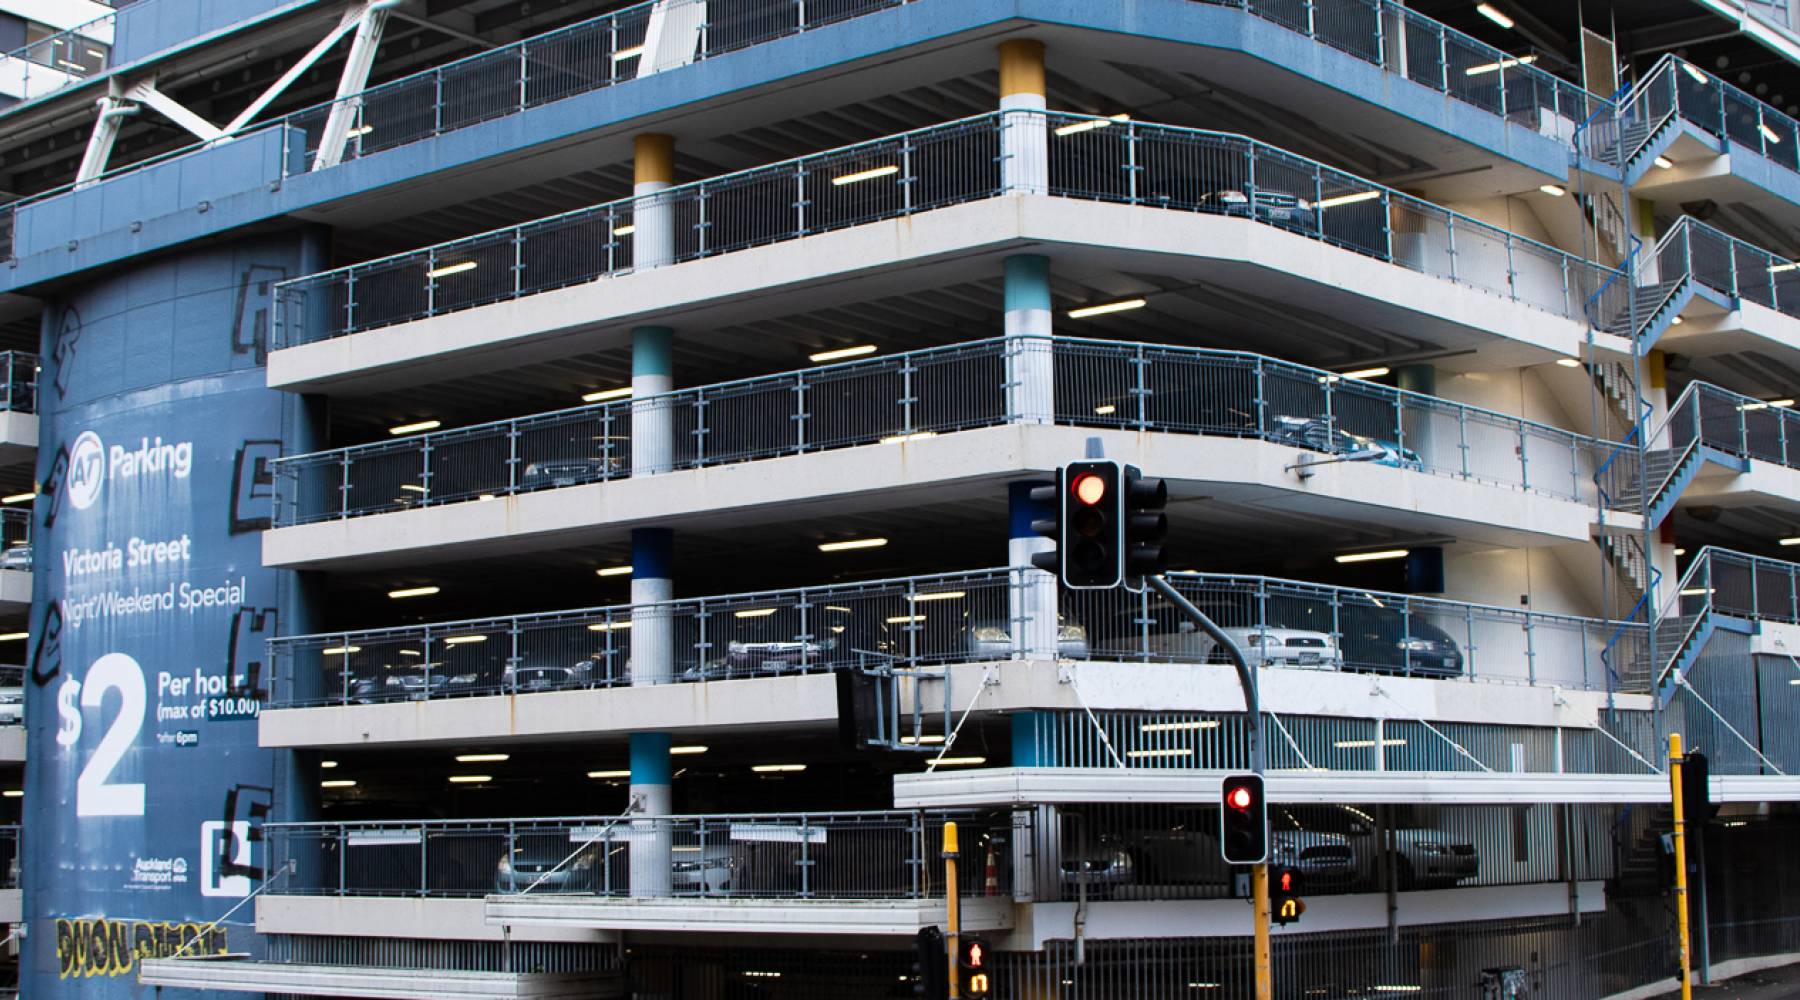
1024,131
653,219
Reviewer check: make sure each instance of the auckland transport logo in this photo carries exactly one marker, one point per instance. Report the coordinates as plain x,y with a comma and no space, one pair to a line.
87,470
91,464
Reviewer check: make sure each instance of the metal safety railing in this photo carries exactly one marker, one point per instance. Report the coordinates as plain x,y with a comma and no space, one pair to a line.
932,620
12,695
15,530
785,856
659,35
18,381
1694,251
1739,585
9,856
1183,740
1098,159
1703,416
59,60
1408,44
1678,89
938,391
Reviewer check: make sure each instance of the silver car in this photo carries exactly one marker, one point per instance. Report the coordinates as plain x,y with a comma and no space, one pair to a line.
992,640
1263,646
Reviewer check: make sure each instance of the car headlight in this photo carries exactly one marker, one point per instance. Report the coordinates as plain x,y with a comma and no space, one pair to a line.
583,862
1071,633
533,469
734,647
394,682
1257,639
992,633
1284,848
1121,861
1231,197
463,678
505,866
1415,645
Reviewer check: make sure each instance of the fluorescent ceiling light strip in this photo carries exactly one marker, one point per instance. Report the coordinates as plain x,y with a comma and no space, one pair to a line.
865,175
1494,14
613,571
1349,199
1075,128
449,269
1360,557
841,353
1110,307
1497,66
414,428
603,395
852,544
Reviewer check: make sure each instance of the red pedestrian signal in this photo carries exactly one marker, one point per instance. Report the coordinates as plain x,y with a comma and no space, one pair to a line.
972,956
1285,904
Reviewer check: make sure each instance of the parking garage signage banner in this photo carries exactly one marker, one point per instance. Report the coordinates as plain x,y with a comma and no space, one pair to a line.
148,790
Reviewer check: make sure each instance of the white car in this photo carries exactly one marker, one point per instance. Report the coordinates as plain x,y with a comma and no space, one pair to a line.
18,557
1263,646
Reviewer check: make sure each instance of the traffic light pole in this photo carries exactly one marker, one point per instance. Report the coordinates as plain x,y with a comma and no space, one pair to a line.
1259,874
952,911
1681,886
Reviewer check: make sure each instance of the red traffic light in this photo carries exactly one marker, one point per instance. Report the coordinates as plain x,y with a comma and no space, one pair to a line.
1240,798
1090,489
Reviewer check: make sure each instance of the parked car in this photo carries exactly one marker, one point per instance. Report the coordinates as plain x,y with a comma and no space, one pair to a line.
410,682
18,557
1318,434
546,675
1263,646
12,705
743,657
1379,637
1264,204
992,640
1103,866
1423,857
541,864
1186,852
707,870
549,473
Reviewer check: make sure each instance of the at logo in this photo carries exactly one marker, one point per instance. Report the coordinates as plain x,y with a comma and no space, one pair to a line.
87,470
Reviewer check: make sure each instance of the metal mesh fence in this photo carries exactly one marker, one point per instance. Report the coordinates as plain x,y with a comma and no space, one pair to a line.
1101,159
941,391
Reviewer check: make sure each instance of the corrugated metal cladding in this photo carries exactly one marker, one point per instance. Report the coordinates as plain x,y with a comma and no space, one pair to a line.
148,790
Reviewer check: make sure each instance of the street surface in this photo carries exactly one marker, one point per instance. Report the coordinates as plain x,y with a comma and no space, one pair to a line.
1770,984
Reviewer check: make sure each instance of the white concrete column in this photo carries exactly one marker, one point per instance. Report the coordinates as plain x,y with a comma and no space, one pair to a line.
1024,139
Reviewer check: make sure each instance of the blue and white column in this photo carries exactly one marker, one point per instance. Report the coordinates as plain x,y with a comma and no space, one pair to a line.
1030,370
1033,602
1037,859
652,418
652,625
651,796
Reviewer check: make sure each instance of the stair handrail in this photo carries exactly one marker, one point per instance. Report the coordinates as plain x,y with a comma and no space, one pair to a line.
1625,624
1627,269
1664,69
1700,566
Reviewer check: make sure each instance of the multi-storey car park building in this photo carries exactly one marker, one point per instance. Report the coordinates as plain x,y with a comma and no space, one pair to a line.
533,499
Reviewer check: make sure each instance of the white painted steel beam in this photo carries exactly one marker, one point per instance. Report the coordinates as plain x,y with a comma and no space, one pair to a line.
147,94
354,80
901,917
349,21
1021,786
237,974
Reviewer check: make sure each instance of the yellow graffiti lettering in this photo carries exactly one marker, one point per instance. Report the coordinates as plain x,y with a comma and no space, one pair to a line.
95,946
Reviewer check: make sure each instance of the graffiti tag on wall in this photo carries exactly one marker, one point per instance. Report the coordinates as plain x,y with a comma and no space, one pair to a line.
96,946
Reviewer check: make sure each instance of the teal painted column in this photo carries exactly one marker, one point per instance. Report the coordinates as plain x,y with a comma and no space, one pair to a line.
1030,373
652,795
652,420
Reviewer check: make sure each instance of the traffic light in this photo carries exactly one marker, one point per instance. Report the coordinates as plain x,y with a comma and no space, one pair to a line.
972,955
1093,525
1145,527
1696,789
1243,820
931,965
1285,904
